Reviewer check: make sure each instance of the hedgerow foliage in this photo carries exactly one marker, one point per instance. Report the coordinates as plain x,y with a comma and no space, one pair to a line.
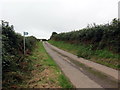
14,63
98,36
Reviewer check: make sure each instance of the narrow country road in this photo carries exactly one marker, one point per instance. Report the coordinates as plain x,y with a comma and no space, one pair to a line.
80,75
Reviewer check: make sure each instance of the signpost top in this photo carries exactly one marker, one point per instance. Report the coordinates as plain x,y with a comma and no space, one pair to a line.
25,33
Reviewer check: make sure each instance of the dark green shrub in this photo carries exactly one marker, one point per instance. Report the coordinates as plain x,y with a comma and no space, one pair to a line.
99,36
14,63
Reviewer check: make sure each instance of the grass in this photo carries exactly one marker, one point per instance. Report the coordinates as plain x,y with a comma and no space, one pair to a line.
44,71
62,79
104,57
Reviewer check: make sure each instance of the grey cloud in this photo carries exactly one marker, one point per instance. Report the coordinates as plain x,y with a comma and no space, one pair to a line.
42,17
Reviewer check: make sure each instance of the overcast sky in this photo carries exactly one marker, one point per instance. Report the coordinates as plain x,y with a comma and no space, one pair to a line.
42,17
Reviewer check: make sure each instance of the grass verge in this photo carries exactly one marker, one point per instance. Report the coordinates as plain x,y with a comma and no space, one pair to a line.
104,57
44,71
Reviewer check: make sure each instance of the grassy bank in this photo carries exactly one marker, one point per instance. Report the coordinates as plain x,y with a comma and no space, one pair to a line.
104,57
44,71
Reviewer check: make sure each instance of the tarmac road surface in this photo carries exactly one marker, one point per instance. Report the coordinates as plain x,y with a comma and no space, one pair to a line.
80,75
